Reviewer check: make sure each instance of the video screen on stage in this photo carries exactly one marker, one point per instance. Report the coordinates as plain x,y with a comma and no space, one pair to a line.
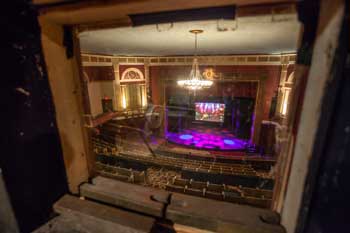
213,112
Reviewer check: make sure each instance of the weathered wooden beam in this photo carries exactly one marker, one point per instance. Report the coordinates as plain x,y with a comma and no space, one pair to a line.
128,196
183,209
220,216
64,79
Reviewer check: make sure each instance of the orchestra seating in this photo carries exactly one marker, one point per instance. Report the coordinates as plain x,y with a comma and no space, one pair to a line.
258,163
238,183
221,192
215,172
233,176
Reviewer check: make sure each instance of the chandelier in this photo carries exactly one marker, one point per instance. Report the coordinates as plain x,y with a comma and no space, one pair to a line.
195,81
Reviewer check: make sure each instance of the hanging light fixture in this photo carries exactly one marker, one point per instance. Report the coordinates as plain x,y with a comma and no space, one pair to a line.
195,81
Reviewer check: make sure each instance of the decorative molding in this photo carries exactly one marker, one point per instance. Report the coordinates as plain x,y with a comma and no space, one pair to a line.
232,77
275,59
210,74
97,63
132,75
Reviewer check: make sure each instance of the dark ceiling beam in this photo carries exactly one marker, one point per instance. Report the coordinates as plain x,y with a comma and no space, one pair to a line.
209,13
266,9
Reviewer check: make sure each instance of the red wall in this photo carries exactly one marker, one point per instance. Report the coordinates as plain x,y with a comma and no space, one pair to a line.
271,85
154,74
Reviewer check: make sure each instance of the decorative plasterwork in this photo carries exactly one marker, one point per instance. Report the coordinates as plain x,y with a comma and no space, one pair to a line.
275,59
132,75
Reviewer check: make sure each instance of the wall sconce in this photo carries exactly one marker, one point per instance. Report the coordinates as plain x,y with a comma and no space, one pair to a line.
210,74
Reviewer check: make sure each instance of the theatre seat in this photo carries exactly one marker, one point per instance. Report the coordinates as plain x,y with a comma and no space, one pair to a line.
194,192
174,188
265,203
198,185
256,192
115,176
233,197
123,171
180,182
214,195
215,188
139,177
215,170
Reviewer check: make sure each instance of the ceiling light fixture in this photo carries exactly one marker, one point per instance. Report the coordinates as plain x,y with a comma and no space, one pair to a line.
195,81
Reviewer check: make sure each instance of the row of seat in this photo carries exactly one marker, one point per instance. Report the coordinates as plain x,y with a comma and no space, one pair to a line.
243,174
159,177
256,192
217,192
252,192
188,164
235,179
220,170
200,164
257,162
98,143
241,195
142,163
120,173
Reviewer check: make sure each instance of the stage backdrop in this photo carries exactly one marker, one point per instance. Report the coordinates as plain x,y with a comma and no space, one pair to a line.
238,97
267,75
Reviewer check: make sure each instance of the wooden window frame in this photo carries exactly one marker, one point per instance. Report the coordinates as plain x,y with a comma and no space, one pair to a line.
66,83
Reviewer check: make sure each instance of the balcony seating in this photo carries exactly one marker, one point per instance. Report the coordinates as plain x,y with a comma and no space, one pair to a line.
218,188
198,185
260,193
200,170
181,182
221,192
214,195
233,176
122,174
174,188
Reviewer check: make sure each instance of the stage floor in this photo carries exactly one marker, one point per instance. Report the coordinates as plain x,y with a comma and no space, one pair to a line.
207,139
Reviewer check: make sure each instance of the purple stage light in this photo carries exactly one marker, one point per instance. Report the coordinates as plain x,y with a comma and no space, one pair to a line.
218,139
186,137
229,142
